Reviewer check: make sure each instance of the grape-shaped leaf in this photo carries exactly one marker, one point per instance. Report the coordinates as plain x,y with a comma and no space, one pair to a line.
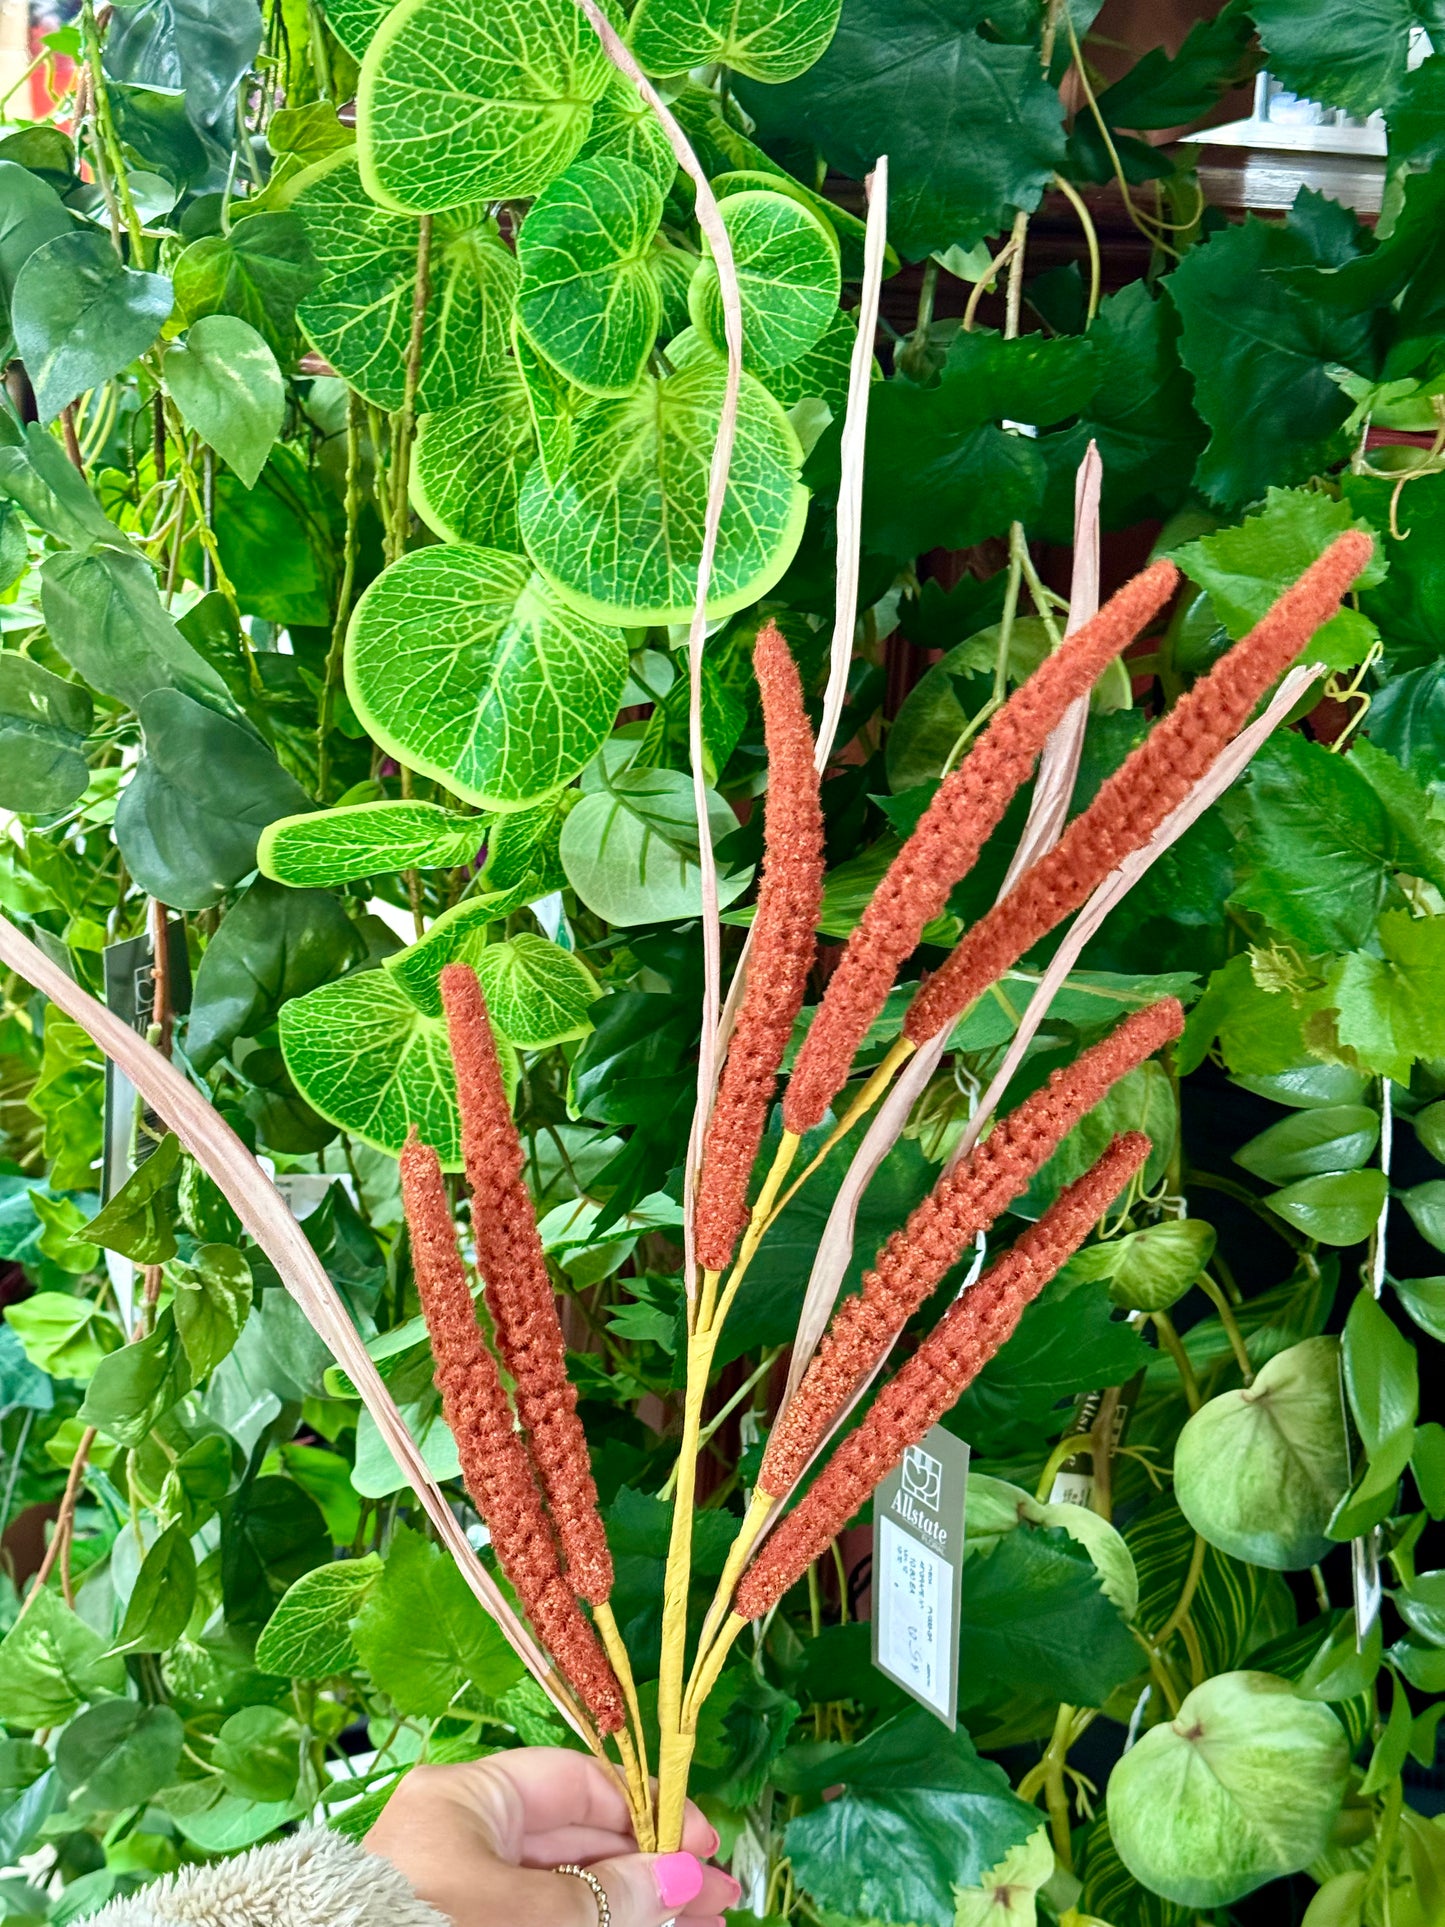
1241,1787
625,128
359,316
475,100
469,462
1259,1471
537,992
621,531
462,664
765,38
553,402
365,840
787,263
630,848
588,297
361,1053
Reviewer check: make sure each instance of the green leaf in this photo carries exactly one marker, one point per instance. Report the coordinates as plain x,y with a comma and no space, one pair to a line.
787,267
162,1597
133,1388
471,100
631,852
80,316
1258,353
309,1634
36,472
44,722
354,22
63,1336
1427,1462
226,383
363,1056
1259,1471
359,314
1424,1300
537,992
423,1636
119,1754
258,1751
971,126
755,37
68,1096
31,213
213,1297
104,615
1404,603
271,1532
1426,1206
322,847
1392,1007
920,1814
620,533
260,272
273,944
1150,1270
1381,1376
1336,1208
188,821
1339,1137
1351,53
1241,1788
469,463
1035,1608
462,664
458,935
138,1221
588,298
52,1663
624,128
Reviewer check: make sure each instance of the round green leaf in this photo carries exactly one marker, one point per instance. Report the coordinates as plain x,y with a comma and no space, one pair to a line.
757,37
354,22
1241,1787
323,847
621,532
44,722
787,264
362,1054
259,1752
80,316
537,992
119,1753
630,850
469,462
553,402
624,128
588,298
1259,1471
463,665
459,935
227,385
475,100
1150,1270
1339,1208
359,315
851,232
1338,1137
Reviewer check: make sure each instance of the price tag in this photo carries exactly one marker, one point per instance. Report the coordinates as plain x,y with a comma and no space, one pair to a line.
918,1514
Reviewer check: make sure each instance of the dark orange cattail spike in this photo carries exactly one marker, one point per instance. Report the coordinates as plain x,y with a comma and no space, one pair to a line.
1141,793
519,1289
944,846
964,1202
780,958
494,1460
973,1329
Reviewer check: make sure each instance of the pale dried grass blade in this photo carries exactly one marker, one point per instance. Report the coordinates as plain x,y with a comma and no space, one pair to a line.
264,1213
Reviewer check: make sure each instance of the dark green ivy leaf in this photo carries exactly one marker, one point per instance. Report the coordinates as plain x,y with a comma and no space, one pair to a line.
273,944
80,316
271,1533
1034,1610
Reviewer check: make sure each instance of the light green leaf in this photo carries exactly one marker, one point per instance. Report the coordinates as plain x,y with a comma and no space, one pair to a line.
1424,1300
787,267
354,22
44,722
624,128
458,935
363,1056
1426,1206
620,534
309,1634
630,850
469,463
1240,1788
213,1297
588,298
1150,1269
553,402
64,1336
226,383
138,1220
1259,1471
1006,1892
260,272
162,1597
424,1638
1340,1137
52,1663
1336,1208
359,315
537,992
80,316
475,100
1392,1007
462,664
323,847
258,1751
759,37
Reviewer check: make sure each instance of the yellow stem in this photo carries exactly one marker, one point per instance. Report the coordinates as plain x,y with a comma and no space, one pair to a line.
1186,1598
711,1669
675,1749
877,1084
616,1650
639,1794
739,1553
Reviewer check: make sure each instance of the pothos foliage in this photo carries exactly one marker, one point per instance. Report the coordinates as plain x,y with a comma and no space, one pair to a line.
353,500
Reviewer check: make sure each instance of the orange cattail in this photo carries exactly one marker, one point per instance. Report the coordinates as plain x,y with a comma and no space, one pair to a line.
949,835
965,1339
519,1290
964,1202
1137,797
494,1460
780,959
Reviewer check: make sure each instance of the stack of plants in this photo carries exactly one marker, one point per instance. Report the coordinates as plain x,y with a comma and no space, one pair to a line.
457,535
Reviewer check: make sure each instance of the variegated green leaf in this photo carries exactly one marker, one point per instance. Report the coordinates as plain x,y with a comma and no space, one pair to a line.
366,839
770,39
554,404
469,462
537,992
625,128
788,278
459,935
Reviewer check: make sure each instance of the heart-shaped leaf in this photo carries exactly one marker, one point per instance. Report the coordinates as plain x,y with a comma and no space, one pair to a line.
31,213
459,935
323,847
1338,1208
44,722
469,462
464,665
787,266
621,532
260,272
80,316
630,850
227,385
757,37
537,992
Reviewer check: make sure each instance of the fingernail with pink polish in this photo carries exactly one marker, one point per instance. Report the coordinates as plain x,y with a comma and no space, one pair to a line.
678,1877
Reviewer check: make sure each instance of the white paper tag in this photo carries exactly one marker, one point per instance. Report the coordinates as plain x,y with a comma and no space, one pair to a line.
918,1515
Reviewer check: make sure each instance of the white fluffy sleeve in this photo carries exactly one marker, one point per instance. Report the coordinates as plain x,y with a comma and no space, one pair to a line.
312,1879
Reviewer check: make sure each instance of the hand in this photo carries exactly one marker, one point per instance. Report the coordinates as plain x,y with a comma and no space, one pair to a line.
478,1842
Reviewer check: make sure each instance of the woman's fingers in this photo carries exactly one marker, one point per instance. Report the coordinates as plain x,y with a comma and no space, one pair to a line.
646,1890
575,1844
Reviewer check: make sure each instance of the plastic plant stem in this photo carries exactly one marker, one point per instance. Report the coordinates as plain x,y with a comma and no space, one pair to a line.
615,1648
406,429
1174,1345
1091,240
760,1507
1230,1323
105,128
335,654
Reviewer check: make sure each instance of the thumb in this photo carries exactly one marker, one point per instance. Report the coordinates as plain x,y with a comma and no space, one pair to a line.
648,1889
